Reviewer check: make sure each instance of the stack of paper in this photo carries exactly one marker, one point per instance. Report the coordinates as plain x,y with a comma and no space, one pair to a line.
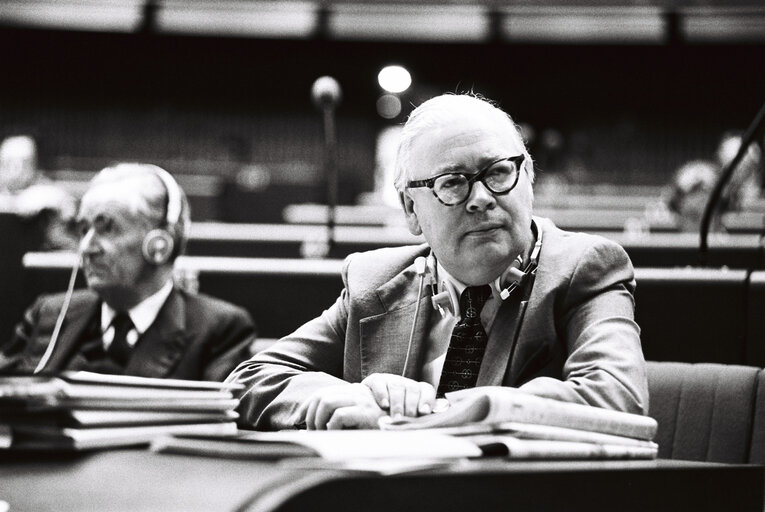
508,422
487,421
331,445
81,410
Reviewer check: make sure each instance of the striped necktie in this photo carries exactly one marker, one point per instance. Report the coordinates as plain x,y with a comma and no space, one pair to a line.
467,344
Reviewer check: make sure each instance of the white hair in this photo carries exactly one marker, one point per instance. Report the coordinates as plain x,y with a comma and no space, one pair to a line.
152,202
445,109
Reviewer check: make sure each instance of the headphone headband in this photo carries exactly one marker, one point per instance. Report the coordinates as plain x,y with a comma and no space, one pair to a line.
174,196
159,245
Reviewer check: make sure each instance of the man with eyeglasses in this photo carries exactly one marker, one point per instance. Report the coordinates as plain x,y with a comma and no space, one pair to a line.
496,297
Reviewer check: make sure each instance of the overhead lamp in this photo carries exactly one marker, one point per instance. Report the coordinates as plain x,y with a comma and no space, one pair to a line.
394,79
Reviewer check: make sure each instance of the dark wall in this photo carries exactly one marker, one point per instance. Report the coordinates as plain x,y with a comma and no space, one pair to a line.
630,110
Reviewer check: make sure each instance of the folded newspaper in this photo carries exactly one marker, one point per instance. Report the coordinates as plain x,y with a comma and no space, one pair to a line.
491,407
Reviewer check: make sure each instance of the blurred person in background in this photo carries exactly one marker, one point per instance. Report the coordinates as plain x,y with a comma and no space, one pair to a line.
133,223
26,192
693,183
746,183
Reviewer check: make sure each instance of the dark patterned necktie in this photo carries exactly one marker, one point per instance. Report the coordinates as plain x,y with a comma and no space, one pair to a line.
467,344
120,349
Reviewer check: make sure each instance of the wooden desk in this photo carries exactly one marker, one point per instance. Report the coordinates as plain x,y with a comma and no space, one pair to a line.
139,480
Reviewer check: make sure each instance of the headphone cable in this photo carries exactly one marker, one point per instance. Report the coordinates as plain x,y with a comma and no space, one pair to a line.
60,320
422,273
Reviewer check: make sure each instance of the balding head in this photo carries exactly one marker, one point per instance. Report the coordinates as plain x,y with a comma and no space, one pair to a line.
447,109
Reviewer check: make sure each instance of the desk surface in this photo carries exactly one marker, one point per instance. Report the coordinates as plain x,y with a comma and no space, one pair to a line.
139,480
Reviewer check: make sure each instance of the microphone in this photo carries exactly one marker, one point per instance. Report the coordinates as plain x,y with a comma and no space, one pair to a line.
65,306
326,95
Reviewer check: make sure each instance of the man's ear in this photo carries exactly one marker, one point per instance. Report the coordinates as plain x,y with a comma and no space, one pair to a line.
411,215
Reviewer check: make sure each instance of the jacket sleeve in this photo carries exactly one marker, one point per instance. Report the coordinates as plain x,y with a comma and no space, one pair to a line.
605,365
277,380
235,334
18,354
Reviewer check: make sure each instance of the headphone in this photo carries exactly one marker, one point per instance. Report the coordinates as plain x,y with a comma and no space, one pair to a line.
448,300
159,244
158,247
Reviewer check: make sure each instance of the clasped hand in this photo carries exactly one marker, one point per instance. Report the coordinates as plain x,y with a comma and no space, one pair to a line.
360,405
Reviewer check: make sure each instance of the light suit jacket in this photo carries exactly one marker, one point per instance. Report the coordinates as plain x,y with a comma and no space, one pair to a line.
193,337
577,340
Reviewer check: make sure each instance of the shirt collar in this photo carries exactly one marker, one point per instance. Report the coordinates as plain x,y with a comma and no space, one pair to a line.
443,275
495,285
142,314
459,286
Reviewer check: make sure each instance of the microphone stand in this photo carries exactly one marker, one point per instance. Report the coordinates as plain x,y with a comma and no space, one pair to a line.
725,175
326,95
330,165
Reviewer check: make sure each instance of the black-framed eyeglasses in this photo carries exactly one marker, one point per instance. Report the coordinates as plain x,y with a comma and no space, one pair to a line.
453,188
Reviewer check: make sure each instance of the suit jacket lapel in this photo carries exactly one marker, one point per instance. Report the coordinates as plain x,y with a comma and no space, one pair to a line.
506,332
81,311
384,338
500,346
159,348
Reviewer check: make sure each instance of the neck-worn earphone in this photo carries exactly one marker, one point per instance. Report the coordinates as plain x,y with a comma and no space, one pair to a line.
448,298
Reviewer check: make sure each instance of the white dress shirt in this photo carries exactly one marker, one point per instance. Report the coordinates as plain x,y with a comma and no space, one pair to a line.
442,327
142,315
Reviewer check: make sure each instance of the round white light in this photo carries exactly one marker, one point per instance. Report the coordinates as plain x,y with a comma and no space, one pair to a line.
394,79
388,106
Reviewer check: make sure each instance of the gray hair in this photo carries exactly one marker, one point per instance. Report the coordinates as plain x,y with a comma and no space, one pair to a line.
153,201
442,110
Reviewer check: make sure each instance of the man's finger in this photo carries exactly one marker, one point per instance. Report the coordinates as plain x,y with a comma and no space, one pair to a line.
298,417
397,396
376,384
345,418
310,415
427,398
324,412
412,400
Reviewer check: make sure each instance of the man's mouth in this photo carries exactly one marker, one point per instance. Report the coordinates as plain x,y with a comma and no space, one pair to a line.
487,228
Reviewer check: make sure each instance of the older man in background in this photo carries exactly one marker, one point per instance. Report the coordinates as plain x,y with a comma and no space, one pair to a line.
133,222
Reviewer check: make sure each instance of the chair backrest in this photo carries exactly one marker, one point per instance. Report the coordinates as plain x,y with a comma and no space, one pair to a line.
755,324
707,412
757,448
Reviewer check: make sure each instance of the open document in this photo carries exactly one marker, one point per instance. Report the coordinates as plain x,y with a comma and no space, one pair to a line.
506,421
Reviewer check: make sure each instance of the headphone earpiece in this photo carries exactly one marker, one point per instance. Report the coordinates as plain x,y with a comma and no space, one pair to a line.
510,280
447,300
158,245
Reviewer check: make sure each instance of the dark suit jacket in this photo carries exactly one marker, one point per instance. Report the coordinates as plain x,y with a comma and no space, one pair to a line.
193,337
576,342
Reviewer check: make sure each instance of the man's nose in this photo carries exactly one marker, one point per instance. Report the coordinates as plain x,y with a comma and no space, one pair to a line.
481,198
